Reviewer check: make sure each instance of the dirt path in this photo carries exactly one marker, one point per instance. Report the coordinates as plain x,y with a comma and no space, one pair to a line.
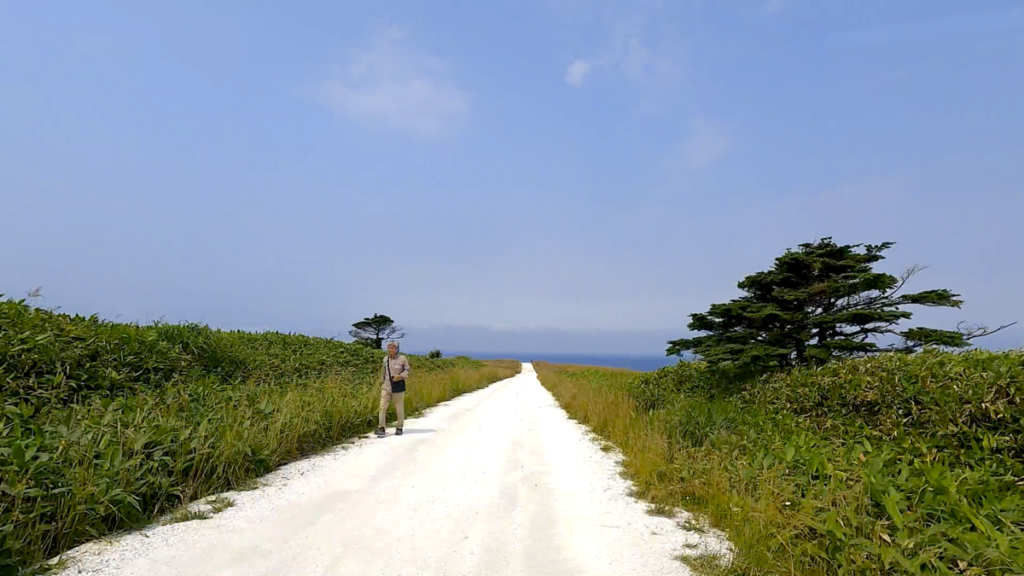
496,482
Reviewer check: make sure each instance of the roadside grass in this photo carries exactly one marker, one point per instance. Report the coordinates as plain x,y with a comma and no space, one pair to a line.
599,399
185,514
897,465
219,504
202,510
107,427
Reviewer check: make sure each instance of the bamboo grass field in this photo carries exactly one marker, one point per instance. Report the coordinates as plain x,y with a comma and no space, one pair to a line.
896,464
108,426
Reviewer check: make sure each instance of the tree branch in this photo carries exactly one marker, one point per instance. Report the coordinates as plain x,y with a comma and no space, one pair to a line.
882,299
907,275
978,331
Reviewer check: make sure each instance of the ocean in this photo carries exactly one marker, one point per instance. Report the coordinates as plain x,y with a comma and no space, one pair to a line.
639,363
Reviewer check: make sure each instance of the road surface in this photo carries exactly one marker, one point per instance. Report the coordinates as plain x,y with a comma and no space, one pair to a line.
495,482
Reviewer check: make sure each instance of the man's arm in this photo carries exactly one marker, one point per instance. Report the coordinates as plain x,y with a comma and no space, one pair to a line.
405,368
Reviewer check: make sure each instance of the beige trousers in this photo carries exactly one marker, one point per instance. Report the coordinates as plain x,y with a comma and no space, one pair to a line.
386,397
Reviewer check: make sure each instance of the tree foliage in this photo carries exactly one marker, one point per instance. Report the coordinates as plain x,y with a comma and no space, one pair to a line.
373,331
818,303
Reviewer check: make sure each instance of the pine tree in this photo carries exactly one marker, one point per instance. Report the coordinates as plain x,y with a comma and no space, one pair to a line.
815,304
374,330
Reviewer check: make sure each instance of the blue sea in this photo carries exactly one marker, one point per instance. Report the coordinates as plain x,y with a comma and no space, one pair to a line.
639,363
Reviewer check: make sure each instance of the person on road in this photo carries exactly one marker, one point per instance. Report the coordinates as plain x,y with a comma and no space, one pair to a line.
396,370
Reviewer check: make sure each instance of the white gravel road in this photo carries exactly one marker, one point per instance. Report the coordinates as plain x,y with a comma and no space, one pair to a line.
496,482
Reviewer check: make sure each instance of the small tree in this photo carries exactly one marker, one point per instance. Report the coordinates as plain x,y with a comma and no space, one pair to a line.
434,354
820,302
373,331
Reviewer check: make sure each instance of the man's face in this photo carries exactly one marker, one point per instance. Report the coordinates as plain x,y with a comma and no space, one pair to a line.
391,350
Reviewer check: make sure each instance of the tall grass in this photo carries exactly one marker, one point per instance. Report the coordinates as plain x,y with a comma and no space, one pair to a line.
106,426
889,465
599,398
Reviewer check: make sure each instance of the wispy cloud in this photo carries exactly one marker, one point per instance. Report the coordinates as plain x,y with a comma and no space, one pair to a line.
707,142
634,45
652,62
773,6
576,72
392,83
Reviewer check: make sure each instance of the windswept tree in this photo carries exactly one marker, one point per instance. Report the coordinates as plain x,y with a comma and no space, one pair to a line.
818,303
373,331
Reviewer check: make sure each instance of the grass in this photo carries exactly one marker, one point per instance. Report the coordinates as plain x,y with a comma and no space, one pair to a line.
706,564
186,514
106,427
202,510
599,398
219,504
662,510
899,465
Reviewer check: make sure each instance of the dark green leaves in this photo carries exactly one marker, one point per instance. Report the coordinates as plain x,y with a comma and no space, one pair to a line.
820,302
935,337
372,331
103,425
895,464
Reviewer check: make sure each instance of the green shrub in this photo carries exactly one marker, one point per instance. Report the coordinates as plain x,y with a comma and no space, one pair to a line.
48,357
434,354
897,464
954,399
656,390
694,422
104,426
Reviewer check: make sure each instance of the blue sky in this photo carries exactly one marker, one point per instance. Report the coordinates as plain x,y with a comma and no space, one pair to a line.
561,175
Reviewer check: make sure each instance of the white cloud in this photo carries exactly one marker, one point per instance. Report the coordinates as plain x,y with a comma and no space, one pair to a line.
576,72
651,63
637,44
708,141
392,83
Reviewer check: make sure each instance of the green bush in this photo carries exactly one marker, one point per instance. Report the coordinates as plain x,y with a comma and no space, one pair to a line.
954,399
105,426
889,465
60,358
50,357
656,390
434,354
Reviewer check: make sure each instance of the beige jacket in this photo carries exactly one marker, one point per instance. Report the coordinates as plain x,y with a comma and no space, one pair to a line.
397,366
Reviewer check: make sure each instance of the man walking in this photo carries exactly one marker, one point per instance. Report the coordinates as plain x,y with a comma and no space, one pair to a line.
396,370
